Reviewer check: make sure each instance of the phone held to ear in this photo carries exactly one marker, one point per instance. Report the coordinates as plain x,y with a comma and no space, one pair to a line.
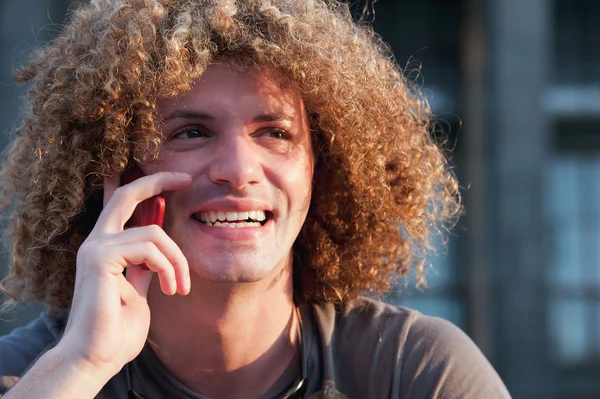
150,211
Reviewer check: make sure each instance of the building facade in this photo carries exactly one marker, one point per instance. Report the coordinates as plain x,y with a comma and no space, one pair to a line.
515,86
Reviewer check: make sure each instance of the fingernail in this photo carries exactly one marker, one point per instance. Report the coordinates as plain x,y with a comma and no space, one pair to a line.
187,284
184,175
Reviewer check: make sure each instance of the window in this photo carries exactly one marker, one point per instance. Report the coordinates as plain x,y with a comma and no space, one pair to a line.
572,214
577,38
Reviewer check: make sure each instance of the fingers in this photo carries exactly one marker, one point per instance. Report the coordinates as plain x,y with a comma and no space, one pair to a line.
174,278
146,252
171,251
109,246
148,245
123,200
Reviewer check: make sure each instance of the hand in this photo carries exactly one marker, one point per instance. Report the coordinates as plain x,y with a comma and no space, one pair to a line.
109,319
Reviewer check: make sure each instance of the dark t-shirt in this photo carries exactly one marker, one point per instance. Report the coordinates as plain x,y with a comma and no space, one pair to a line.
368,349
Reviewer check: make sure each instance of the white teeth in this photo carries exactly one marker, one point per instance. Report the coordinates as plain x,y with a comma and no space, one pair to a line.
221,218
231,216
235,225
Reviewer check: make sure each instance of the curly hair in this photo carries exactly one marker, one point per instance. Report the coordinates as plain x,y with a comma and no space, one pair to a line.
382,185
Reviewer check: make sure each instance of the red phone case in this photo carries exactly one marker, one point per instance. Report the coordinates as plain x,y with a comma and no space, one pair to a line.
147,212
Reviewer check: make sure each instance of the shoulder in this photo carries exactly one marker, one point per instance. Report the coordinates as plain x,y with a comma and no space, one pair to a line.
416,355
441,361
364,317
24,344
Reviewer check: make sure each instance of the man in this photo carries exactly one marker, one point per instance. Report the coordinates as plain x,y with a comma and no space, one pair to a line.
298,173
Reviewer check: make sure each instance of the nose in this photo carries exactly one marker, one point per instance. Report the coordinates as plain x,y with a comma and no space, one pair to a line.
236,163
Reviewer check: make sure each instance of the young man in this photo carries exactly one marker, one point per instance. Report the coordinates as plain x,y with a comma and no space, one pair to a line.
298,173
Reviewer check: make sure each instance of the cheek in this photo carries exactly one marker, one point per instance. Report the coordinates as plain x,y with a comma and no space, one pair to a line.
171,161
298,181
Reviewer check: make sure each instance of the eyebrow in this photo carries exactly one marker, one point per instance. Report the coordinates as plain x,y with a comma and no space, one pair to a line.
185,114
272,117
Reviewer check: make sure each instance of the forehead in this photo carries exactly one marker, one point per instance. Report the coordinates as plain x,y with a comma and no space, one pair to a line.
225,88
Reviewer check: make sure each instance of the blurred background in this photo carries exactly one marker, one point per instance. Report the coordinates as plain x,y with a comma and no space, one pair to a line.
515,85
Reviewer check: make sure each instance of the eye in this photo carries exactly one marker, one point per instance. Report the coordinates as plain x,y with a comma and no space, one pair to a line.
276,133
189,133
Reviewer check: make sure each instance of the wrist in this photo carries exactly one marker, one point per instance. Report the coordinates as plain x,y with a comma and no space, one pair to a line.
59,374
64,357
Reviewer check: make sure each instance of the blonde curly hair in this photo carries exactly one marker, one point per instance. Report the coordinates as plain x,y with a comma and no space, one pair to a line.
382,186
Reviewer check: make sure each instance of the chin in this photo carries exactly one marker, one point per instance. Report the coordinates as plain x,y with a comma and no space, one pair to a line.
242,271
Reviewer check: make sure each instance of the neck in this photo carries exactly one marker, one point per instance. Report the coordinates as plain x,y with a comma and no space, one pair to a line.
231,340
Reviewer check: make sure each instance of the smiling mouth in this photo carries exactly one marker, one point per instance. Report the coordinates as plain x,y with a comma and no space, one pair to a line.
233,219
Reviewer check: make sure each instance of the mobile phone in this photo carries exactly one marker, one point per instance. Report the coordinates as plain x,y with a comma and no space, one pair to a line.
151,210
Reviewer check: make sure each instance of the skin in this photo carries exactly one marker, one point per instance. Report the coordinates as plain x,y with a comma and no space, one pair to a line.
236,141
247,145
